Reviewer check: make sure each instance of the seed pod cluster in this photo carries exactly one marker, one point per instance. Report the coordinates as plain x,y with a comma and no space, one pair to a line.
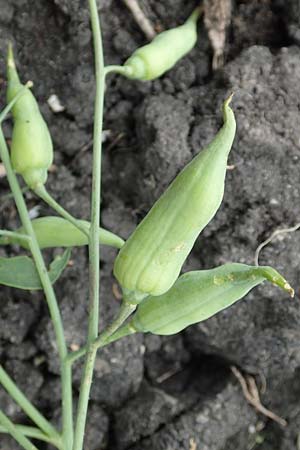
151,259
198,295
31,145
57,232
167,48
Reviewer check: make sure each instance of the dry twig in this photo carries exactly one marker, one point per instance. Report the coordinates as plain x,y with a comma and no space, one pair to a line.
251,394
193,445
217,17
140,18
2,171
273,235
116,293
169,374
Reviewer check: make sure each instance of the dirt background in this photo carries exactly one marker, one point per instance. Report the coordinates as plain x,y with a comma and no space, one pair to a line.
174,393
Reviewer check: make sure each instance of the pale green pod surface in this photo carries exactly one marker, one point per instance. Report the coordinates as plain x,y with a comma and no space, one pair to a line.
167,48
57,232
31,146
198,295
152,257
26,102
31,150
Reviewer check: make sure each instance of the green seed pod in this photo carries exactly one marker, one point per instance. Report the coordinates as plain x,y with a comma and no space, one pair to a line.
167,48
31,145
152,257
58,232
198,295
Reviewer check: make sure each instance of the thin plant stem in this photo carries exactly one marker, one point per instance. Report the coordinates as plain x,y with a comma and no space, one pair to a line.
44,195
66,374
35,433
122,70
16,433
12,234
10,105
94,248
108,335
18,396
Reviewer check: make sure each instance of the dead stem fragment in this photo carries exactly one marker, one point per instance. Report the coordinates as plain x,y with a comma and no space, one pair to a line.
251,394
193,445
217,17
140,18
275,233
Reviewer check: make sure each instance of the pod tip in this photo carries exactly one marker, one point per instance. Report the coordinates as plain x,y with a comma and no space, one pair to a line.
226,108
289,289
198,11
228,99
10,56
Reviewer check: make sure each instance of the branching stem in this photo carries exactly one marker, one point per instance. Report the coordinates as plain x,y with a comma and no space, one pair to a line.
108,335
35,433
44,195
66,374
94,248
25,404
16,433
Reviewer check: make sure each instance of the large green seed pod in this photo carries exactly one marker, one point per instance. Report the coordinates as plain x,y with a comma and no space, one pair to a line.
57,232
151,259
167,48
196,296
31,145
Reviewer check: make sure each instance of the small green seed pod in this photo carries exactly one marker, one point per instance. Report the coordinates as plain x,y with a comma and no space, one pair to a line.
31,145
198,295
151,259
167,48
57,232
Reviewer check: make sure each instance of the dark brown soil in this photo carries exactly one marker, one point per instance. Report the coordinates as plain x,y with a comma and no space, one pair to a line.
152,392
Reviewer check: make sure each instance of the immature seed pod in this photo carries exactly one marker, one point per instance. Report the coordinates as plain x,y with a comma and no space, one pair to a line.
198,295
31,145
167,48
57,232
152,257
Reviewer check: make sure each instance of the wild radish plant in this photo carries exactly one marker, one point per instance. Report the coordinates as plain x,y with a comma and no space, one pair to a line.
149,263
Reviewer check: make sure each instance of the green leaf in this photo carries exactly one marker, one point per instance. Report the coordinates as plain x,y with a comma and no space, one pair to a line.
58,265
20,271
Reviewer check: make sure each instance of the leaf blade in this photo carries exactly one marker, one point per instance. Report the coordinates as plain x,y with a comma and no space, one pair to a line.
20,271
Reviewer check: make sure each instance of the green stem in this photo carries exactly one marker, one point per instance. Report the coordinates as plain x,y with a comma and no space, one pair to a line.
94,249
16,433
66,374
34,433
25,404
110,334
122,70
10,105
196,14
6,197
44,195
14,235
